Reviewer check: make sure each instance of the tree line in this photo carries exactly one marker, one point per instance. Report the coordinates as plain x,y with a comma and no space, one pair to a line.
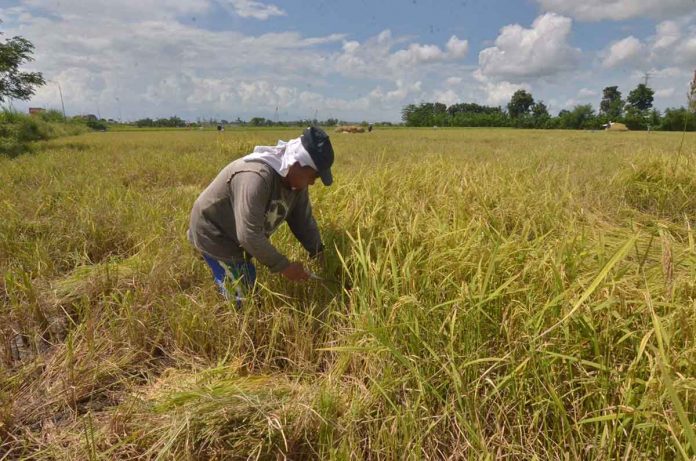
635,111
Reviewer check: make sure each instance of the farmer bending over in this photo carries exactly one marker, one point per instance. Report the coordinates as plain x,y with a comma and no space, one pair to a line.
233,218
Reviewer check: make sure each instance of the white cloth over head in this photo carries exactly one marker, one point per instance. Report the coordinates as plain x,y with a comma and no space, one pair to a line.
282,156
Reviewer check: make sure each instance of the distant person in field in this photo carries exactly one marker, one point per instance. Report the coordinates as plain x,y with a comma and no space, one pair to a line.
233,218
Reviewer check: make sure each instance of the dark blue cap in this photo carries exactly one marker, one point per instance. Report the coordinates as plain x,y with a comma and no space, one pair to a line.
317,143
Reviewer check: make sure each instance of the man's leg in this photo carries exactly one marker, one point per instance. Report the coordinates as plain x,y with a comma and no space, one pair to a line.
241,276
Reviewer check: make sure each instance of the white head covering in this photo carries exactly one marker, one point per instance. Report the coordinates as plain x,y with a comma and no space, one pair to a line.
282,156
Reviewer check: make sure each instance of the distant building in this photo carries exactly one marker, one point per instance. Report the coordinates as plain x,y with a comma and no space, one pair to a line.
36,110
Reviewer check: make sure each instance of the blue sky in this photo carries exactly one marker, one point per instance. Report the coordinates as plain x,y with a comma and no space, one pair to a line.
357,60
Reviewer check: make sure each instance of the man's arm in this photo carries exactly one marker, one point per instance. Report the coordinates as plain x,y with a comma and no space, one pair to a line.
303,225
250,194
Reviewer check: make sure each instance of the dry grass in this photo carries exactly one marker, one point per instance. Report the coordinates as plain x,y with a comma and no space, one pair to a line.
516,294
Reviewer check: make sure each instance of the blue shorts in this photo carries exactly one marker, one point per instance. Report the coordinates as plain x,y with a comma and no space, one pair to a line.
237,277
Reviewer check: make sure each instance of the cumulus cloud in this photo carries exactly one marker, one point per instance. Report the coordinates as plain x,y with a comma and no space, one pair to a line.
497,93
416,54
159,66
376,55
587,93
626,51
675,40
97,59
667,34
447,97
118,10
672,45
664,93
400,94
598,10
253,9
457,48
540,51
156,58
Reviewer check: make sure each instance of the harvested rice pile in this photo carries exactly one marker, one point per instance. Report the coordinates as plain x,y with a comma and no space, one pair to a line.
350,129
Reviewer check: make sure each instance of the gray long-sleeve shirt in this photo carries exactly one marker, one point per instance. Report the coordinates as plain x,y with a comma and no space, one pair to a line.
242,207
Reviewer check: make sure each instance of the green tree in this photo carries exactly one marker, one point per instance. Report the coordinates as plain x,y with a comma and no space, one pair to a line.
257,121
14,83
636,119
407,114
540,115
678,120
520,103
145,122
641,98
580,117
612,104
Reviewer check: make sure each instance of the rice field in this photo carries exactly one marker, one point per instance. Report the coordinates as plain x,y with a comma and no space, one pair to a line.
489,294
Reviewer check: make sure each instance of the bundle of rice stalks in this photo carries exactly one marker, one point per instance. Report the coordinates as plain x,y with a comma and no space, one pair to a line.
660,188
218,414
350,129
616,126
94,279
43,311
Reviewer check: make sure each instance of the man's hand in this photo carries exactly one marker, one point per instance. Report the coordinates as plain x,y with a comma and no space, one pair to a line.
295,272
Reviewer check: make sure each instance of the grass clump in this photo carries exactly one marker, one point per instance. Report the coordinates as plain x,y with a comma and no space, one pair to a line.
18,131
663,187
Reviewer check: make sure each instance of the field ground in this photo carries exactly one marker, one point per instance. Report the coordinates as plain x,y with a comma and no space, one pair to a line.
515,295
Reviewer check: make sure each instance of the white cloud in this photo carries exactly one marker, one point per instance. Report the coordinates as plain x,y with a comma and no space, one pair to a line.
587,93
667,72
457,48
540,51
597,10
667,34
253,9
570,103
624,52
158,59
165,63
673,46
674,42
497,93
399,95
664,93
118,10
365,59
375,58
685,52
416,54
447,97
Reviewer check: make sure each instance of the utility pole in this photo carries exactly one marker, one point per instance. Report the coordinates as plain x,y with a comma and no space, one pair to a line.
646,77
62,105
119,108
